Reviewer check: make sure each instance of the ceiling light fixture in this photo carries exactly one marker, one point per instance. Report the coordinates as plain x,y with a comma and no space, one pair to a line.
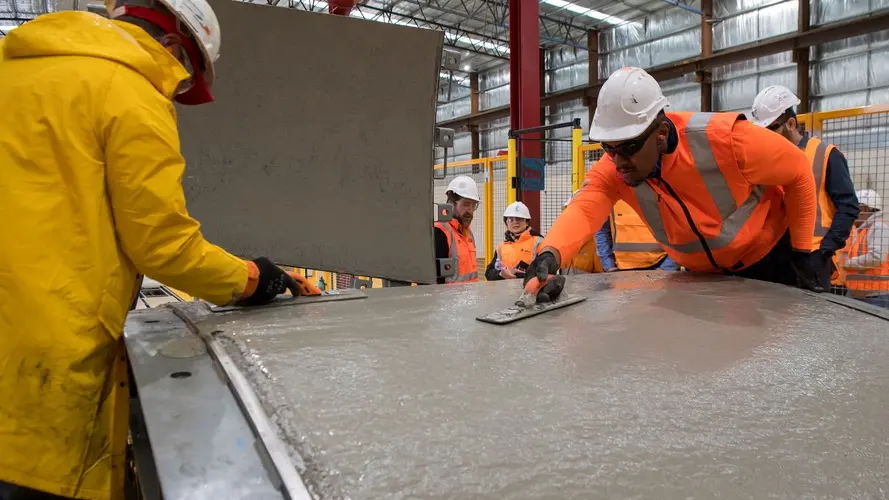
584,11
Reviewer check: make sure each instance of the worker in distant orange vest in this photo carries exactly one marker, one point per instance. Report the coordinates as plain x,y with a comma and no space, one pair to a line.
834,190
587,259
867,267
454,239
519,247
625,243
720,194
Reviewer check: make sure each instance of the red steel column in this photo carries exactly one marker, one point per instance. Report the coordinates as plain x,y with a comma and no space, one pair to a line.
524,82
340,7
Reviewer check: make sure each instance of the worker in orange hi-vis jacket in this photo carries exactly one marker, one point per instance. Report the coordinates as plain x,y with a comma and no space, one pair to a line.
720,194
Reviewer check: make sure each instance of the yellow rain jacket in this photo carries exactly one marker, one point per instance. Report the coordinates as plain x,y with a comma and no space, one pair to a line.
90,195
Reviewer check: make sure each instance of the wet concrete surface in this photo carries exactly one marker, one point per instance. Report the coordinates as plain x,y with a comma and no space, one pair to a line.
658,386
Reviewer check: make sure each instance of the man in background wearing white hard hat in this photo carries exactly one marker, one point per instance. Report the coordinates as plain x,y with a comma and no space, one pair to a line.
454,239
834,191
92,197
867,267
711,187
519,247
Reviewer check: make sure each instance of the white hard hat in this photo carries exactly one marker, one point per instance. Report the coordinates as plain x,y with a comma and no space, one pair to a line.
465,187
870,198
198,19
628,103
771,103
517,209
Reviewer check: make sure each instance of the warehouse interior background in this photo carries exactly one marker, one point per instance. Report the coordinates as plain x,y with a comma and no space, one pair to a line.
709,55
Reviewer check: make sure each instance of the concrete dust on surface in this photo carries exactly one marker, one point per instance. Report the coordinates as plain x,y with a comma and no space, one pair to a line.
658,386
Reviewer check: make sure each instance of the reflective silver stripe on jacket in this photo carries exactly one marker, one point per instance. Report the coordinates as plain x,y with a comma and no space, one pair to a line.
733,216
455,254
818,171
866,277
537,243
637,247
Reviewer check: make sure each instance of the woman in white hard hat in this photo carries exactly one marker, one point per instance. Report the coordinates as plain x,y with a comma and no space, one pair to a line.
454,239
718,193
519,247
89,152
867,266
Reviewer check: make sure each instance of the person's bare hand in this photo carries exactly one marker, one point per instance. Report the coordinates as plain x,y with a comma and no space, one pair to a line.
507,274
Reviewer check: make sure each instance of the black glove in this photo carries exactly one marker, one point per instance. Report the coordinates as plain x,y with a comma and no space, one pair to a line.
542,267
272,281
822,264
806,278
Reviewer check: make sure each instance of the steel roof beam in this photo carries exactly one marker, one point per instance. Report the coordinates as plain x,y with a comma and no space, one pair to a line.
783,43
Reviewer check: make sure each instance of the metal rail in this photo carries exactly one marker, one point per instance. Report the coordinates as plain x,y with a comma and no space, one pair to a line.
276,451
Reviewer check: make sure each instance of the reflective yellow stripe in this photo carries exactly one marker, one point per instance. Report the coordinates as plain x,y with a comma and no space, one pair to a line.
733,216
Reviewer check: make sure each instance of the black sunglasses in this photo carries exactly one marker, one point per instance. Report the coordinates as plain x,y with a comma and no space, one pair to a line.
631,147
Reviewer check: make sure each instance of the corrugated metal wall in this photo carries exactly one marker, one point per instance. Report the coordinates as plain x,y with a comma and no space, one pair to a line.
843,74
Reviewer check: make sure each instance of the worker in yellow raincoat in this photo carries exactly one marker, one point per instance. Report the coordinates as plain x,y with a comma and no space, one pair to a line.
91,197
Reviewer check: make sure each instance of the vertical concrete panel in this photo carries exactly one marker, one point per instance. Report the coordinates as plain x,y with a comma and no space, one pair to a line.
309,108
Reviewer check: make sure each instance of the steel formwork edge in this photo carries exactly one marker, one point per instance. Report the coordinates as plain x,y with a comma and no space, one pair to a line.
292,484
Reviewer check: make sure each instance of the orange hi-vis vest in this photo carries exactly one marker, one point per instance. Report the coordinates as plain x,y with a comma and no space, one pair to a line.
462,248
522,250
586,260
818,151
634,245
871,281
701,209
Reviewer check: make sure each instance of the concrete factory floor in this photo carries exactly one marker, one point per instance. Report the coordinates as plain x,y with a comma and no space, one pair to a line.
659,386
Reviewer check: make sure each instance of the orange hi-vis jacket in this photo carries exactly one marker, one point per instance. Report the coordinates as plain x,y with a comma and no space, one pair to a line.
715,206
872,280
524,249
817,151
634,245
462,247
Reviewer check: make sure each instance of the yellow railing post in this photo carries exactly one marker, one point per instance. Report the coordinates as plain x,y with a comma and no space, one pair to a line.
816,122
511,171
576,159
489,209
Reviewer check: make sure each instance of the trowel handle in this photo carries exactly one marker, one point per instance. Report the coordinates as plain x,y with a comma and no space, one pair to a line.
534,285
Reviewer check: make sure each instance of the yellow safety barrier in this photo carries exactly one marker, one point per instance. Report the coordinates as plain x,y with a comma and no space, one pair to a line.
862,135
577,159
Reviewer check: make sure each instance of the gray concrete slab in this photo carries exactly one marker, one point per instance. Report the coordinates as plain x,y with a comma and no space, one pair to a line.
658,386
318,150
